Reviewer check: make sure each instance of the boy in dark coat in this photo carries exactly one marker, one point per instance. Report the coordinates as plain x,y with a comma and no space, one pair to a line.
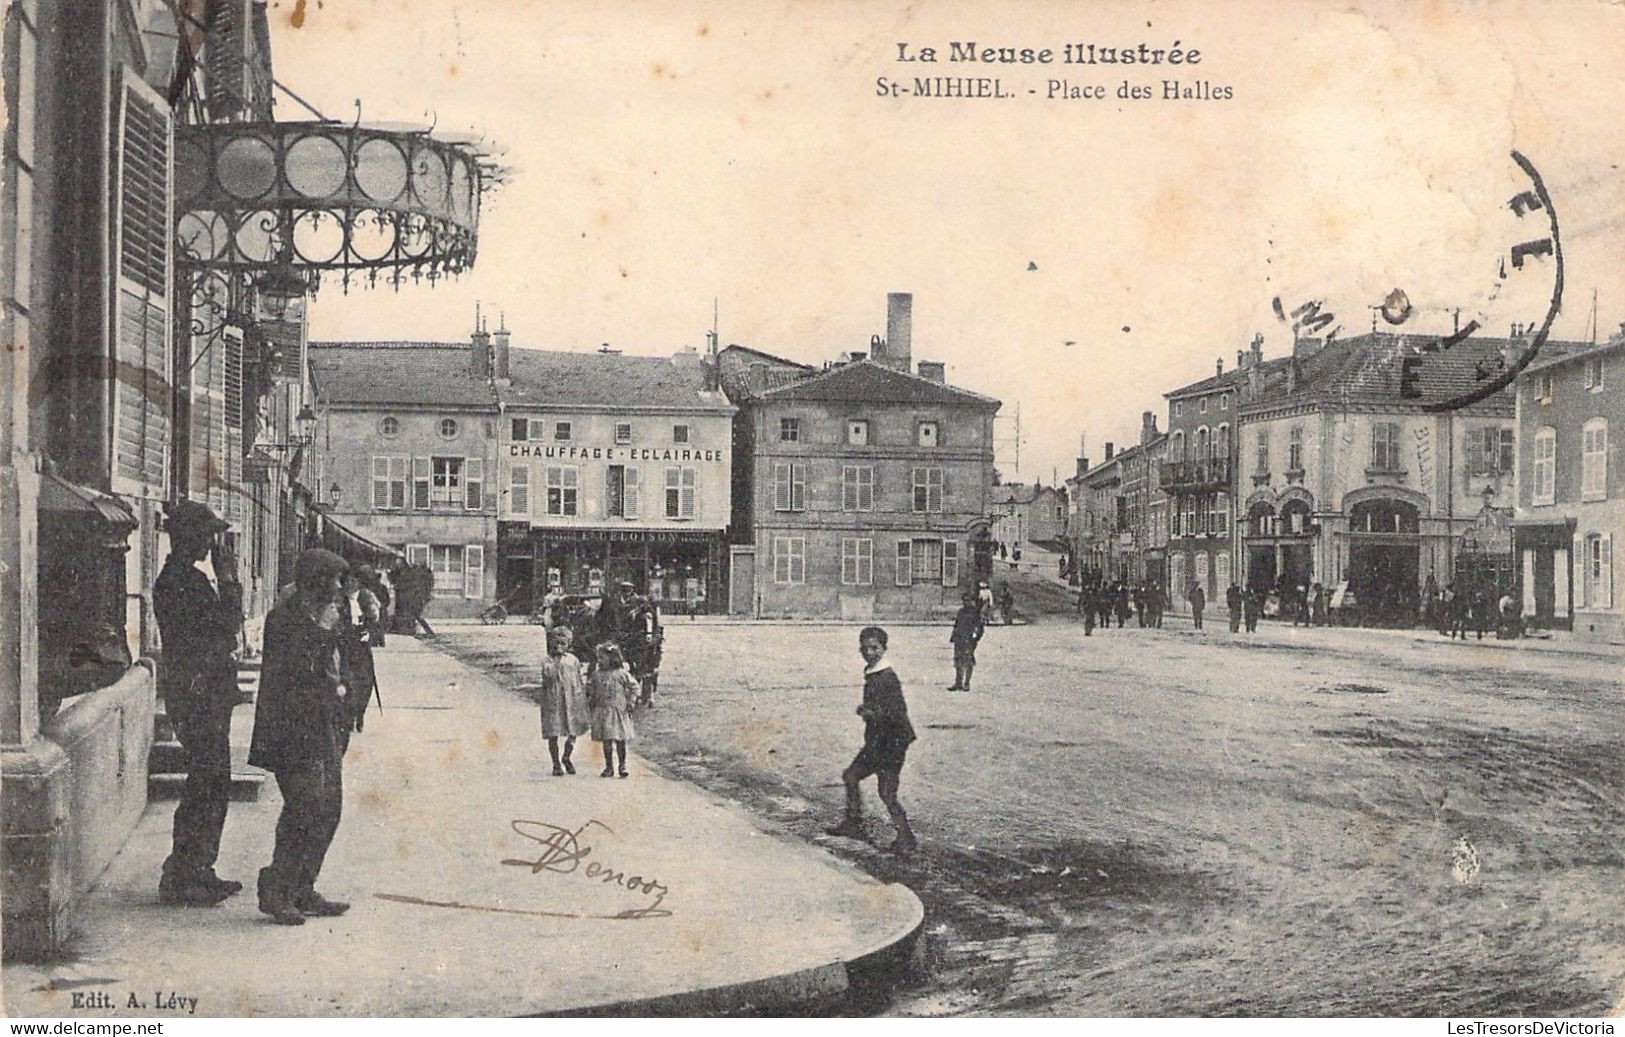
967,633
887,735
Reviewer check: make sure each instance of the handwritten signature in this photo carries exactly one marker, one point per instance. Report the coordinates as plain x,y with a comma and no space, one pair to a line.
563,852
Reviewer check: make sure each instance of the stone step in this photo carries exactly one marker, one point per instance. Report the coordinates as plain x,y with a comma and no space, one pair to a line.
169,757
245,785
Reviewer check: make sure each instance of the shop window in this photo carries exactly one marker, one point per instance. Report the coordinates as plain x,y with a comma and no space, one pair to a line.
857,488
789,430
789,560
857,561
789,487
563,489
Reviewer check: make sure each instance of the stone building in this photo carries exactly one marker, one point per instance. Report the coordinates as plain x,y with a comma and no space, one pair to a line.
861,489
1026,513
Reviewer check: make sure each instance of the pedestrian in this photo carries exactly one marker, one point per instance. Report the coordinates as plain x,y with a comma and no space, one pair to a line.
1511,618
1198,603
1252,603
199,624
887,735
1159,605
302,720
1007,603
984,598
611,696
563,700
1447,609
1461,603
1139,605
967,633
1319,599
1108,605
1089,608
1232,602
1483,612
1430,602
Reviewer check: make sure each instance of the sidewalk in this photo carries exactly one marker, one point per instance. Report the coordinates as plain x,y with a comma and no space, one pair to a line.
683,904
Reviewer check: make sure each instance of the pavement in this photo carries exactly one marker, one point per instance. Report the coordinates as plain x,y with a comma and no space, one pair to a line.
483,886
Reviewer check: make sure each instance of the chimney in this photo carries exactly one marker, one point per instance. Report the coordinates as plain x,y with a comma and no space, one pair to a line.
899,330
1303,348
1083,466
758,378
481,357
1108,450
934,371
1148,427
1241,359
1218,367
499,355
1258,349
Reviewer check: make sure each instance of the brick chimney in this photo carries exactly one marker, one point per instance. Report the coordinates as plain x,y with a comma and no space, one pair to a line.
934,371
499,345
1108,451
481,356
1218,367
1148,427
899,331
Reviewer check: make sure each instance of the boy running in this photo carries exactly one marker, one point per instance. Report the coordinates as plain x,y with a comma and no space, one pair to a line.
886,738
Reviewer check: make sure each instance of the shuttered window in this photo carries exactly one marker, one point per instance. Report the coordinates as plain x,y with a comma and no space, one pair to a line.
928,485
857,488
905,563
519,489
857,561
789,487
789,560
680,493
474,483
141,340
950,563
474,571
420,483
1594,460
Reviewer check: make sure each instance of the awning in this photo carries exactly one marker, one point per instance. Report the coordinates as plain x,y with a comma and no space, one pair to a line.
352,546
57,494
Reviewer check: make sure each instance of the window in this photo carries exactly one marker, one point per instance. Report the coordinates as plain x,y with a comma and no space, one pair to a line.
789,560
857,488
563,487
1597,558
474,571
448,428
420,483
1201,444
447,562
474,483
789,430
1262,463
519,429
679,433
857,432
621,491
537,428
789,487
905,563
446,483
926,433
388,483
561,431
927,557
389,428
1221,569
1224,401
1294,449
1544,393
857,561
1179,445
519,489
1179,407
1221,442
1385,447
1178,524
1544,490
950,563
1490,451
1218,515
1594,374
623,433
680,493
1201,405
1594,460
928,484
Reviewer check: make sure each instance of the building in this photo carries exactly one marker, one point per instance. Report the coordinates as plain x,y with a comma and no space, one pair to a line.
1029,513
614,467
1571,489
1349,479
406,454
861,489
1103,538
1142,495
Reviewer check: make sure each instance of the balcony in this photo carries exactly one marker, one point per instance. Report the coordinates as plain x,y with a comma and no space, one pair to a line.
1213,473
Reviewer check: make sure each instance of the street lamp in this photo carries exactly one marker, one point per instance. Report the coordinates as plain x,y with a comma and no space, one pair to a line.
305,421
280,287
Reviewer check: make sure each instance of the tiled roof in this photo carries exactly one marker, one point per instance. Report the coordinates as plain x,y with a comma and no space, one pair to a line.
555,378
736,361
865,381
1554,353
428,374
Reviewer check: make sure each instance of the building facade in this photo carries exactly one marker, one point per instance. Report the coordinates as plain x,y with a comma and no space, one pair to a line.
1029,513
861,490
1571,490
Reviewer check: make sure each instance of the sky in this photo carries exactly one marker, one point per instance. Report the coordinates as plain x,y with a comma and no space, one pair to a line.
1075,258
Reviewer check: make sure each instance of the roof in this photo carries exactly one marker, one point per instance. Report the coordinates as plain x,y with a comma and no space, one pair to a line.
557,378
1016,493
1553,354
427,374
1234,378
736,361
866,381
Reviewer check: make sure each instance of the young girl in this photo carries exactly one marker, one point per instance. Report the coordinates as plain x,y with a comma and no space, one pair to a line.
613,690
563,701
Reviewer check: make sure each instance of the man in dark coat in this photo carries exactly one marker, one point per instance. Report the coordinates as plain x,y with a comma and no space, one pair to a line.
198,624
1232,602
968,629
1252,603
887,735
1198,603
301,725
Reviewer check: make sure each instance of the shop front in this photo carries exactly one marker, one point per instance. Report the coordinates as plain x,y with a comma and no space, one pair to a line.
681,570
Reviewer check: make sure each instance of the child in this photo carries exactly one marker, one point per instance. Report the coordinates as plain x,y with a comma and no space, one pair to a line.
563,701
613,690
886,738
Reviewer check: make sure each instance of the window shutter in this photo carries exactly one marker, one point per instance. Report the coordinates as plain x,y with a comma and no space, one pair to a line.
519,489
473,483
798,487
474,571
397,483
905,563
950,563
942,492
380,483
688,493
629,493
849,489
1605,579
420,483
781,487
674,492
417,554
142,402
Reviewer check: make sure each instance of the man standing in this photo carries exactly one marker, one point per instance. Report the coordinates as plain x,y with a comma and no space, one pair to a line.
1251,604
301,725
1232,602
967,633
887,735
1198,603
198,624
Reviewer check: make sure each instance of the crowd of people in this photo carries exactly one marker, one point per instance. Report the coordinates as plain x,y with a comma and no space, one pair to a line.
1099,601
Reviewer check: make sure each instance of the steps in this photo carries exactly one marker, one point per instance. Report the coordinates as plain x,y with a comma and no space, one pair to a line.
166,763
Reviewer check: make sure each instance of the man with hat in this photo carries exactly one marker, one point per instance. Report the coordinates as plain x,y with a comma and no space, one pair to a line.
301,724
198,623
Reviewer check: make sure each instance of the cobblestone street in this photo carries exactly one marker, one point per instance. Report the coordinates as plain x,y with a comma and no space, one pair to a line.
1179,823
